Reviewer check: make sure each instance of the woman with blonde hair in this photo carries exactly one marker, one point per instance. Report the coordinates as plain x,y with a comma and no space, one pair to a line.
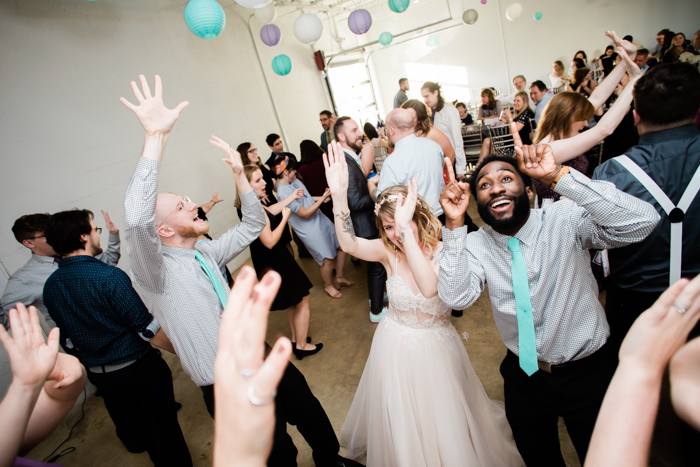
426,129
567,114
523,115
558,77
268,252
416,355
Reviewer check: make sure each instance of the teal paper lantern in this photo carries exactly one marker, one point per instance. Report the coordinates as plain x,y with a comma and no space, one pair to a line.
385,38
399,6
282,65
538,16
205,18
431,42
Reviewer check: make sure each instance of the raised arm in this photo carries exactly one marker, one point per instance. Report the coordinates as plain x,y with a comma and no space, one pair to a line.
605,89
236,239
610,218
623,430
570,148
206,207
461,278
421,268
270,237
337,177
142,240
113,252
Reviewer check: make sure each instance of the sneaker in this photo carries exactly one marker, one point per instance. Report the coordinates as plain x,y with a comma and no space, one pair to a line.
377,318
385,299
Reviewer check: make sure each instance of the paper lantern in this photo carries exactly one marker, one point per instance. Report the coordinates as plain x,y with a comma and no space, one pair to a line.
483,2
538,16
253,3
470,16
359,21
205,18
385,38
399,6
514,11
431,42
282,65
308,28
270,35
267,14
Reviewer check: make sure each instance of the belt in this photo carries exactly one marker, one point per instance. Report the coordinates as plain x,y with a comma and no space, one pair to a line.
571,365
110,368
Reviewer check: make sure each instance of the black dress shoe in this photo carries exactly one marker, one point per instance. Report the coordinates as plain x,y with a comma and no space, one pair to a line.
300,354
308,341
457,313
343,462
178,406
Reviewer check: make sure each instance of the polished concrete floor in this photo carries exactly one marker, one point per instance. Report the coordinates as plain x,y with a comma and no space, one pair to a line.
333,375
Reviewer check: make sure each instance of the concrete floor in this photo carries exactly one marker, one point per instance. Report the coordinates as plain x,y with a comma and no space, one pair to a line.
333,375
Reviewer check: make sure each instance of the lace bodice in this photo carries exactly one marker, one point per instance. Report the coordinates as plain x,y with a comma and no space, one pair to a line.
413,310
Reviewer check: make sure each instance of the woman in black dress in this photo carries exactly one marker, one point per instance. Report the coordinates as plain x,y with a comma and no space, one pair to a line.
270,253
523,115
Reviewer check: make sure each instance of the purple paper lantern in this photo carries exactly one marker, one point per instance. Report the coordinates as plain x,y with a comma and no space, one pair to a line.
359,21
270,35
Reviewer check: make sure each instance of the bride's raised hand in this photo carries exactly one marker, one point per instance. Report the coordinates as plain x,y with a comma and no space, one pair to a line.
405,207
336,169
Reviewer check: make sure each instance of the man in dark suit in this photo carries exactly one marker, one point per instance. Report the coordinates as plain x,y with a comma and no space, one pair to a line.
327,120
274,142
349,135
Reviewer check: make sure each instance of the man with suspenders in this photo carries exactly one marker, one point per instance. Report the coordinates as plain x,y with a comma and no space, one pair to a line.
663,169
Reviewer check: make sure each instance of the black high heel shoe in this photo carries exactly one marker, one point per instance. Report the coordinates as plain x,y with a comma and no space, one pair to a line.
308,341
300,354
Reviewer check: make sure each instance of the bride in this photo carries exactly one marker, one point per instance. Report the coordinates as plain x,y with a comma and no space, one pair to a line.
419,402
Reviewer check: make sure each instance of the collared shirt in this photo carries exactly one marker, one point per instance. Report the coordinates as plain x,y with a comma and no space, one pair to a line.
26,285
670,158
354,156
416,157
172,282
400,98
539,107
447,120
570,323
99,310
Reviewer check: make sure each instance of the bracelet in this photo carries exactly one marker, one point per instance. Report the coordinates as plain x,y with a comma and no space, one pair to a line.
564,170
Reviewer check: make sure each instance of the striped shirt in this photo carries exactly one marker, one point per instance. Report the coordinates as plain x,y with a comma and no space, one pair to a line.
569,320
172,282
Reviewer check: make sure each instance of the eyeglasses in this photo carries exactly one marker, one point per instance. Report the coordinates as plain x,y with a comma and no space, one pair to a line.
38,236
253,150
98,230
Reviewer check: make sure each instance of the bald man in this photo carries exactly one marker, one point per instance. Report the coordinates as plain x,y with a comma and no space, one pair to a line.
182,285
421,158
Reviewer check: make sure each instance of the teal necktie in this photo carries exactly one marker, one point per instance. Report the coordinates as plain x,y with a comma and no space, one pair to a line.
218,286
527,348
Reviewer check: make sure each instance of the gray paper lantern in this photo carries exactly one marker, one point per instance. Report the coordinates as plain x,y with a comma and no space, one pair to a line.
470,16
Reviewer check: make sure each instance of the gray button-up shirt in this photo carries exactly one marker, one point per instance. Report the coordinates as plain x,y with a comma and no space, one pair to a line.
569,320
172,282
26,285
416,157
539,107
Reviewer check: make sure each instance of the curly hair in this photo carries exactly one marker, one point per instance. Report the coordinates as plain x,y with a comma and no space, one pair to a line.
429,227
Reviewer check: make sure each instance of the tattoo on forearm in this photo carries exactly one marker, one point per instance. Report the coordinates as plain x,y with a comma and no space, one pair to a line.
403,237
348,228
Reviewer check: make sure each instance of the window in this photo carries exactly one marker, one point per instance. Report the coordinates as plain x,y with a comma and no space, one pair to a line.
453,80
352,92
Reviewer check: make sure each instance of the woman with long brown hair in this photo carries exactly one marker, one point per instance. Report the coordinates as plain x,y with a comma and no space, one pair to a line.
676,49
249,156
490,107
416,353
567,114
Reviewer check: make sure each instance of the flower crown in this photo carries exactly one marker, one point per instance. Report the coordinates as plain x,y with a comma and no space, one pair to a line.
393,199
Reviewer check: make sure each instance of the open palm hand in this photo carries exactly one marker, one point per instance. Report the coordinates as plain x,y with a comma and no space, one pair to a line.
151,111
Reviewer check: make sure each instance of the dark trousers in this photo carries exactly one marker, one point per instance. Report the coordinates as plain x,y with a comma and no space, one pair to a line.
376,278
295,404
622,308
573,391
140,400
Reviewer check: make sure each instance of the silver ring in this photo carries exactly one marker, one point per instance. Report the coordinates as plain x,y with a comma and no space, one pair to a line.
681,309
247,373
256,401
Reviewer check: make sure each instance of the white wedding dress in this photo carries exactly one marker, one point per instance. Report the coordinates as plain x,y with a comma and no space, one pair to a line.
419,402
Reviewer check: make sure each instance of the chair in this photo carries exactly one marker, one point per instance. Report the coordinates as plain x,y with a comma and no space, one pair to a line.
472,140
502,140
558,90
380,155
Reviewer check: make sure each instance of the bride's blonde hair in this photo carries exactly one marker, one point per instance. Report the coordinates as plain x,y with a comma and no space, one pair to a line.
429,227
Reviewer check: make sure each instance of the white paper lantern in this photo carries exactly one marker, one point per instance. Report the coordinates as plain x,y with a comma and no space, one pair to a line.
308,28
253,3
266,15
470,16
514,11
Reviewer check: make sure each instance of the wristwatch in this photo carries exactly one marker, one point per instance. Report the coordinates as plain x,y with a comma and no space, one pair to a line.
564,170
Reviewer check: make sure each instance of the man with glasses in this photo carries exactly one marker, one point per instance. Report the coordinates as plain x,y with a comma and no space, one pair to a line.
327,120
26,285
96,306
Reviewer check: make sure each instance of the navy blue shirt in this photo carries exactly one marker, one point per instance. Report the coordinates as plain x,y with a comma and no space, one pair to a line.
670,158
99,310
